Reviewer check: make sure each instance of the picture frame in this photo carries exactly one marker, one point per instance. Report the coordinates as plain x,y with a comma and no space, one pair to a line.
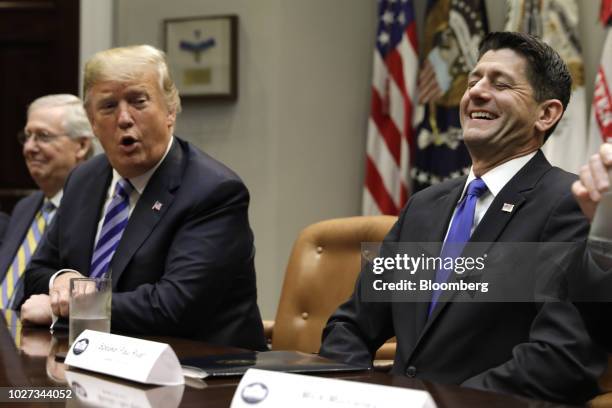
202,55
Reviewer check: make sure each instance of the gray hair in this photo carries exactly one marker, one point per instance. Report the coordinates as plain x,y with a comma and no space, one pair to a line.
75,122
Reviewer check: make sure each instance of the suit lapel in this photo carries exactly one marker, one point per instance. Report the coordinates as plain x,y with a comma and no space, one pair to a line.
495,221
160,189
445,207
89,215
515,193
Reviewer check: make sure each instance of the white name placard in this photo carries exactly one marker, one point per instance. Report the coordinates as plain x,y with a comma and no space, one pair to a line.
264,389
144,361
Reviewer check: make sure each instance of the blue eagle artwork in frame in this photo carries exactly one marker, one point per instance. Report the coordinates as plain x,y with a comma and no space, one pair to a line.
203,56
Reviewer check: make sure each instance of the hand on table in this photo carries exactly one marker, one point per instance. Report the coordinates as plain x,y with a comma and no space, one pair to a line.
36,310
60,293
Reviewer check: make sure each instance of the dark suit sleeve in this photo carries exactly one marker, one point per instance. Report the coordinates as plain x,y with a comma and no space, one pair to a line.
559,354
358,328
210,249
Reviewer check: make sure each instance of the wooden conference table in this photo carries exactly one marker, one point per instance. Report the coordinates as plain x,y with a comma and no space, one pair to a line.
28,361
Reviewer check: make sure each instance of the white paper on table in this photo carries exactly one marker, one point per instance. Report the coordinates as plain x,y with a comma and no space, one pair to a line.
262,388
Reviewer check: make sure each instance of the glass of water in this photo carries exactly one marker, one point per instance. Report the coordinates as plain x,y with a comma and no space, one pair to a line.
90,306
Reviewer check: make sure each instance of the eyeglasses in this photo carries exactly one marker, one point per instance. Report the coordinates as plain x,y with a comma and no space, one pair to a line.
40,137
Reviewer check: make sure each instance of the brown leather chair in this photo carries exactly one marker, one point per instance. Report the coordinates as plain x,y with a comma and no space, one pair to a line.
321,274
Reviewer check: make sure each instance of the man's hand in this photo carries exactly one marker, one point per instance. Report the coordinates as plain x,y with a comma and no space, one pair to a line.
60,293
594,180
36,310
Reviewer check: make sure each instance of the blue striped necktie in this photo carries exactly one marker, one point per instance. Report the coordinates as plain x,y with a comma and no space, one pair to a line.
24,253
115,221
459,233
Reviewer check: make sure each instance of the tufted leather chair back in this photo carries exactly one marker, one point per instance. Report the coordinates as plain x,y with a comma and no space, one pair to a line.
321,274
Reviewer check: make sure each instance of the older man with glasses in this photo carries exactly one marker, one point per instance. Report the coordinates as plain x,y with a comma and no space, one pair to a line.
56,138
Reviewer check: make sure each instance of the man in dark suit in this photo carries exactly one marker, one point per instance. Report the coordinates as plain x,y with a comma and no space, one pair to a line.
515,96
167,222
56,138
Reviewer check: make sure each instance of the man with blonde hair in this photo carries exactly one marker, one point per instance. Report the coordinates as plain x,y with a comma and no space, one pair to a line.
56,138
168,223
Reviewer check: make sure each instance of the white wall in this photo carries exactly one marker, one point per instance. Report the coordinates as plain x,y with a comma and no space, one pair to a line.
296,135
96,34
96,30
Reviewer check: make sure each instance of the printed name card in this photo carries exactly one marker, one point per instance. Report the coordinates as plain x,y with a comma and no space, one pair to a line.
275,389
144,361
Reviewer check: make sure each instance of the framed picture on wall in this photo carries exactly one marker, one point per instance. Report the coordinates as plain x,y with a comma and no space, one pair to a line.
203,55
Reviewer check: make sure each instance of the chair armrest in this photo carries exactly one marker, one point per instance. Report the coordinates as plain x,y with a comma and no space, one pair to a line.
383,361
383,366
268,326
386,351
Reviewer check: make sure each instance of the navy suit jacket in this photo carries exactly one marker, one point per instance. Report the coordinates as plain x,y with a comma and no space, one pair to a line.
16,230
185,269
539,350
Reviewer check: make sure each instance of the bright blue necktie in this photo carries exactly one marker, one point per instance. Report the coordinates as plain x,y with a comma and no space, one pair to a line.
458,234
115,221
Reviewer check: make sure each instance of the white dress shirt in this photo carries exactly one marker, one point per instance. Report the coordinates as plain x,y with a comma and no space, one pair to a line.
495,179
55,200
139,183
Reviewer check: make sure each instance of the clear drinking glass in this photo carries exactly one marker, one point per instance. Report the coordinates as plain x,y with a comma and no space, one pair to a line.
90,305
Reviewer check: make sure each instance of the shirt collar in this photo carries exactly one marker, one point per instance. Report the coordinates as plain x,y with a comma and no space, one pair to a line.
56,199
499,176
140,182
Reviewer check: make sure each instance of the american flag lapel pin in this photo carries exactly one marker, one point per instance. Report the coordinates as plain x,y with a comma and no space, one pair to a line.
508,207
157,206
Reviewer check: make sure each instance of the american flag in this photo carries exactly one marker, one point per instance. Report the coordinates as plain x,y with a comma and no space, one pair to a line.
600,130
556,23
390,130
606,12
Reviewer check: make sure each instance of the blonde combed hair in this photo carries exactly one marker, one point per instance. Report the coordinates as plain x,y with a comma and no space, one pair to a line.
128,64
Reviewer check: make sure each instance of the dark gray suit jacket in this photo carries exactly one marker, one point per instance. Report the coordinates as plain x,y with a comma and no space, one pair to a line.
16,230
539,350
183,270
